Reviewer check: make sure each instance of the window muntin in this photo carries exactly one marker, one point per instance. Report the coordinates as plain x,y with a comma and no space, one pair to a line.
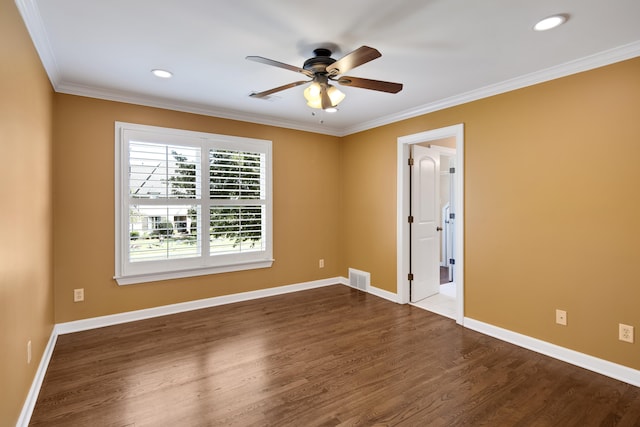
163,216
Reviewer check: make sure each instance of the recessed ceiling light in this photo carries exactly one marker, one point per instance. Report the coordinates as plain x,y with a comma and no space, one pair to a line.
163,74
550,22
331,110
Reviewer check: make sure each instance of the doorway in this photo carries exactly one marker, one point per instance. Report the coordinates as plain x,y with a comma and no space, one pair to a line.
404,201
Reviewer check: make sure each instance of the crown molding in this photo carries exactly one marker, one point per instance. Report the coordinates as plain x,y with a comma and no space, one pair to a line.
148,101
587,63
35,26
37,31
590,62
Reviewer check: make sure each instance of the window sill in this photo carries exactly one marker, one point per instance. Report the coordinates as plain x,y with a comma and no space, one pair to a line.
179,274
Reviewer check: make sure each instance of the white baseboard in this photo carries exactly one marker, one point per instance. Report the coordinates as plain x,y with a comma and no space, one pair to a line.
600,366
32,396
132,316
381,293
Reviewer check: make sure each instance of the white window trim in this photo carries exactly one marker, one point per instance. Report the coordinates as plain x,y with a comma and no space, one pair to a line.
174,269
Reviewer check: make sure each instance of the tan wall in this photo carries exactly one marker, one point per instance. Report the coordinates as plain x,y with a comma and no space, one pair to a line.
306,182
369,215
26,286
550,222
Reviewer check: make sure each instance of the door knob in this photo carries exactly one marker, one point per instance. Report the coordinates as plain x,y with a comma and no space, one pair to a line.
438,228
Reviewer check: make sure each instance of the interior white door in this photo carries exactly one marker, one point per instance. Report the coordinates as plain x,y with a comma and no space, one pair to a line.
425,209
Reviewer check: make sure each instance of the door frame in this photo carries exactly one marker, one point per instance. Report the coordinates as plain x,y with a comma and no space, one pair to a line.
403,197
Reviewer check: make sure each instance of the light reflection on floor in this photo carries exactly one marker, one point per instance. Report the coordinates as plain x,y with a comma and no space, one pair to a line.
443,303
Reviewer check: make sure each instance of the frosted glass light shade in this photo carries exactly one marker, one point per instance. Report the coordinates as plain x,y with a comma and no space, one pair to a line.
314,100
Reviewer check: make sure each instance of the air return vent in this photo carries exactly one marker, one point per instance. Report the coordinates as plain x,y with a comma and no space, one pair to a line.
359,279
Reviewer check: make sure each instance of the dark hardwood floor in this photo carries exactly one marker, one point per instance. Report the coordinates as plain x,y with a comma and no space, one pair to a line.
332,356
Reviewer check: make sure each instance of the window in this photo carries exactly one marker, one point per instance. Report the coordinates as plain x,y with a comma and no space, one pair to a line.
190,203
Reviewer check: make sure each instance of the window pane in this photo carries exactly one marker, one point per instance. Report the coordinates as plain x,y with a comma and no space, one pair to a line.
236,174
163,232
190,203
162,171
236,229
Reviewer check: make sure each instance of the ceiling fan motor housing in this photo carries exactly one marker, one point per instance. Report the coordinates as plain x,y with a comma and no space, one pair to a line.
320,62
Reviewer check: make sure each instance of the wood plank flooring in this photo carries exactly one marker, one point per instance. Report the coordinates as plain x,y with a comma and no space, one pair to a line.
332,356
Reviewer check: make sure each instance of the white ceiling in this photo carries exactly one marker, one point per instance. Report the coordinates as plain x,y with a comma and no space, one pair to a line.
445,52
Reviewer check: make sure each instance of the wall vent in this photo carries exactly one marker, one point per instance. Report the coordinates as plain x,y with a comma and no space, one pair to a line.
359,279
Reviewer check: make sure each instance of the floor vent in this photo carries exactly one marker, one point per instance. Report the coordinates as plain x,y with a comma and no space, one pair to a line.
359,279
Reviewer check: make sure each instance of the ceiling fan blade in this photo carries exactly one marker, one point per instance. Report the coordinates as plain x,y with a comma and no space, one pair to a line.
360,56
378,85
280,65
276,89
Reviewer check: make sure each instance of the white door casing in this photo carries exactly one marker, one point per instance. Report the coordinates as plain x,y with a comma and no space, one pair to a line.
425,228
403,196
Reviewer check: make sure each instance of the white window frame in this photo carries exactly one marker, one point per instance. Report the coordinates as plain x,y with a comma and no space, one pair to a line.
146,271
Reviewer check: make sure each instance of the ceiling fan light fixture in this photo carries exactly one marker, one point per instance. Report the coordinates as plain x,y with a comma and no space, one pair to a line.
550,22
314,99
335,95
322,69
312,92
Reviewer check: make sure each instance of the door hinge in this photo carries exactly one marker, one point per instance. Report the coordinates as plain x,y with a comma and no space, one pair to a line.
452,261
410,219
452,216
410,161
452,170
410,276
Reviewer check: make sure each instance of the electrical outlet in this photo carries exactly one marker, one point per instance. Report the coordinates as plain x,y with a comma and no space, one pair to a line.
78,295
625,333
561,317
28,352
321,263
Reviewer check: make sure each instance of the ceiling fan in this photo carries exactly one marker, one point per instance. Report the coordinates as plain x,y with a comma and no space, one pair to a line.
322,69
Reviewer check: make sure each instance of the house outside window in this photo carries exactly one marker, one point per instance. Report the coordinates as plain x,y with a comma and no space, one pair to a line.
190,203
